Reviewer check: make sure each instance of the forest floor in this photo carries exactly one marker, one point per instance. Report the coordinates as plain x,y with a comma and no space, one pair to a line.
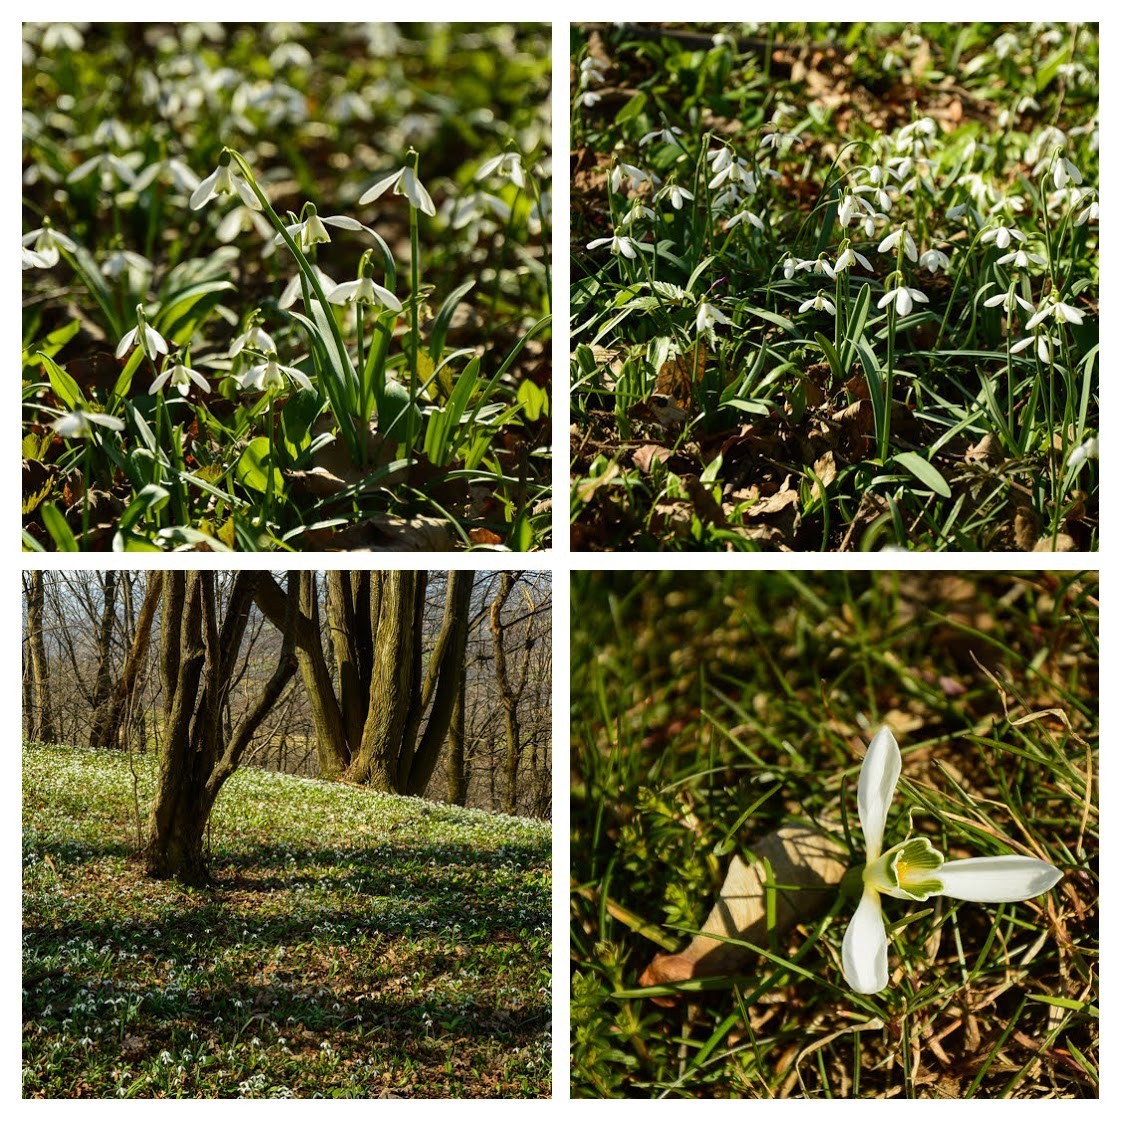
710,712
352,944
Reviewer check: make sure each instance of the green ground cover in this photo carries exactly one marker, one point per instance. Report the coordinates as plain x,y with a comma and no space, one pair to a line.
353,944
834,287
286,286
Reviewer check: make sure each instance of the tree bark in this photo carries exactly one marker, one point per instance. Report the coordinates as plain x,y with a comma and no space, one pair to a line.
103,682
197,757
40,725
114,728
457,747
509,693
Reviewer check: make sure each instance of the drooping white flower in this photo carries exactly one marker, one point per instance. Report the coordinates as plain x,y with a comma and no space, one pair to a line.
618,243
1044,345
46,242
364,291
662,135
676,195
33,260
707,316
820,302
508,166
1055,309
312,230
933,260
903,298
180,377
849,257
915,870
77,424
270,375
1021,259
254,337
891,243
744,215
1088,449
404,181
1002,235
225,179
148,338
1007,299
294,289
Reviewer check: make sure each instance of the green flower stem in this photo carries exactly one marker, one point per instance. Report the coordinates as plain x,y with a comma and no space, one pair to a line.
414,309
346,421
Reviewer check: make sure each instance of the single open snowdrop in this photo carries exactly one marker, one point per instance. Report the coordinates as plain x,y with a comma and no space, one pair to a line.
180,376
404,181
618,243
224,180
708,316
148,338
820,302
903,298
506,166
269,376
78,425
915,870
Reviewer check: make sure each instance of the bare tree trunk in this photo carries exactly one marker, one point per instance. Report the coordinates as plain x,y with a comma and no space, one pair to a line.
113,726
457,747
40,725
509,693
197,758
103,682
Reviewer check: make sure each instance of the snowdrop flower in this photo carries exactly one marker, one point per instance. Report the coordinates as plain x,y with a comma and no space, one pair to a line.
735,171
224,180
1055,309
903,298
892,241
662,135
124,262
404,181
618,243
508,166
636,176
1065,172
270,375
33,260
1044,346
312,230
364,291
850,257
933,260
588,99
915,870
1020,259
1090,213
676,195
636,213
849,209
1087,450
1002,235
707,316
819,266
1007,299
111,168
77,425
294,288
46,242
254,337
819,303
181,377
148,338
744,216
241,220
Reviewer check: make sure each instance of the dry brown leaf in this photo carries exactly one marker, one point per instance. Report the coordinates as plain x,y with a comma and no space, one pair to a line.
805,864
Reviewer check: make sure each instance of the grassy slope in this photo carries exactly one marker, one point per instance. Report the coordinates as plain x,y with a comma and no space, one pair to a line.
356,944
718,707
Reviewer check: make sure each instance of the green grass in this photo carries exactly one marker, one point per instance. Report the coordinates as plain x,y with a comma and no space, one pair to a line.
719,705
353,944
744,377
